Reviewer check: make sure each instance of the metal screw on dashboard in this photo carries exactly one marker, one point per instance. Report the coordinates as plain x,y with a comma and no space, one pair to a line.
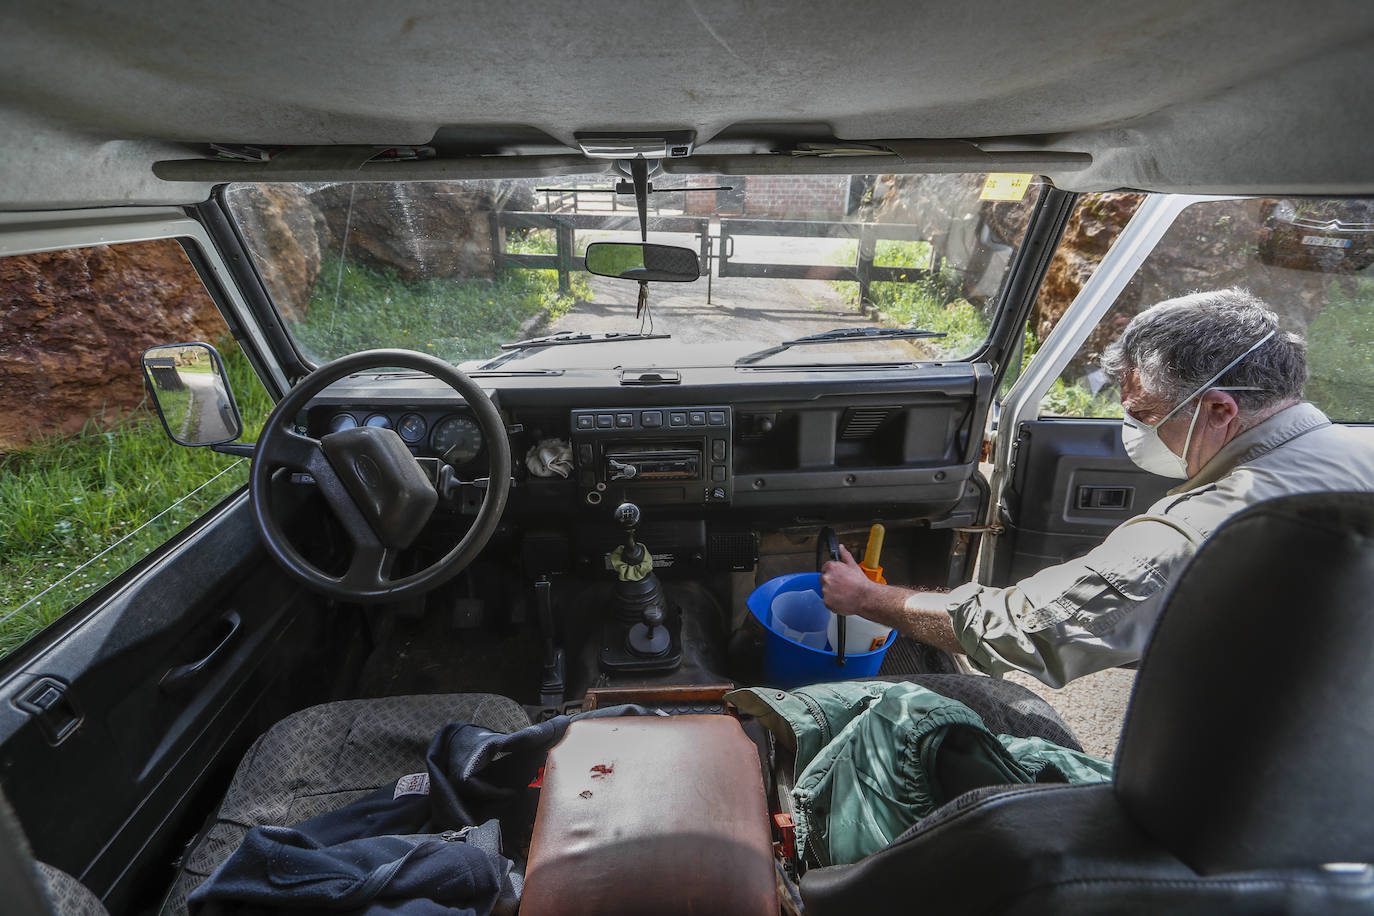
758,484
849,480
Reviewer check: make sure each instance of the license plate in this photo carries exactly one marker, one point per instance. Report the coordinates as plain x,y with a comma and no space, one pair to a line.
1322,241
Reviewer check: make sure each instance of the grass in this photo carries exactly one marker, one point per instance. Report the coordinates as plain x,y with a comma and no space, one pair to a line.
1340,350
79,510
930,301
354,307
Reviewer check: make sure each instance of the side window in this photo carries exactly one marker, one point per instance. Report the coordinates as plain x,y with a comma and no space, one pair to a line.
89,482
1311,260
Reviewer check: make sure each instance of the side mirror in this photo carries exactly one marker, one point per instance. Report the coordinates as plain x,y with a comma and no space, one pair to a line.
192,395
642,261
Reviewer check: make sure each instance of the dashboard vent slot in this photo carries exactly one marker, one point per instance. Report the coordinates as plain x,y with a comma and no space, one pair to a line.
650,377
863,422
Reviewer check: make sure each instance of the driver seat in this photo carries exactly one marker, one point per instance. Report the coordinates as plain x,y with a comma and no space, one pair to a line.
323,758
1242,778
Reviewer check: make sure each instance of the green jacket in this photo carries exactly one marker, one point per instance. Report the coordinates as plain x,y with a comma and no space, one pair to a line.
874,757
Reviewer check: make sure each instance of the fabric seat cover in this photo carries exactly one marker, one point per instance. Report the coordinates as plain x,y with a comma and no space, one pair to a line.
324,757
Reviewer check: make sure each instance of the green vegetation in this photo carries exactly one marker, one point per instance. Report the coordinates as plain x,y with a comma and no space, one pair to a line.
79,510
1340,350
930,301
176,408
354,307
1067,397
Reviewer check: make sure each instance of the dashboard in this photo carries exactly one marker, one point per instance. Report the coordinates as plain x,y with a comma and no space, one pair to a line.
723,447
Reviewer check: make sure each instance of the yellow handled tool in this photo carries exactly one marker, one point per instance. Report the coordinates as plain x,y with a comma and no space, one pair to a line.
872,561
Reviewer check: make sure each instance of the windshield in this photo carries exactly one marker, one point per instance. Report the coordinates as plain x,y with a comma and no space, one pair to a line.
466,269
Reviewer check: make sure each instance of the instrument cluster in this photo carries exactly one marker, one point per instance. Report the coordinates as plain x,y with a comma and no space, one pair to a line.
453,436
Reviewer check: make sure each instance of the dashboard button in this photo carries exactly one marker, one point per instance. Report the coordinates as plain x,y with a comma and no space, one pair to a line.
605,420
652,418
716,418
585,421
624,420
677,418
718,473
717,449
697,418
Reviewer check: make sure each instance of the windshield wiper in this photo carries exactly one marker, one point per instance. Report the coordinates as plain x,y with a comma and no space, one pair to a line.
840,334
564,338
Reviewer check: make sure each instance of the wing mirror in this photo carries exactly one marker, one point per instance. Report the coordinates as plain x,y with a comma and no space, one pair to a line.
189,387
643,261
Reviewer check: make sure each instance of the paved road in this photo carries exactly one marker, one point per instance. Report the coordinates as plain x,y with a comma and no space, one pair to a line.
1093,706
757,312
207,425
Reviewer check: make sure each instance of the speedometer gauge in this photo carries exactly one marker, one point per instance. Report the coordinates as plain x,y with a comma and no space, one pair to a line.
457,439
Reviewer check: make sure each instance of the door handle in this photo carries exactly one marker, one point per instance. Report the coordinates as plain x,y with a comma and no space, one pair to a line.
181,675
1105,497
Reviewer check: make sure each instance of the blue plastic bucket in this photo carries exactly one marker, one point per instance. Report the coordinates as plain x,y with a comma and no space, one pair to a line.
786,662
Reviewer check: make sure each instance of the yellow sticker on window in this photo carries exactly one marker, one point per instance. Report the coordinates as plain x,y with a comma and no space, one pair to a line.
1005,186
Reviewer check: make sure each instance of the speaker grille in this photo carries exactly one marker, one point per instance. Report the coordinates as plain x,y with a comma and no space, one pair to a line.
736,551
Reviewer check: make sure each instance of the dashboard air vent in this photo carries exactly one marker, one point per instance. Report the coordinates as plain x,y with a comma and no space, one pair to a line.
863,422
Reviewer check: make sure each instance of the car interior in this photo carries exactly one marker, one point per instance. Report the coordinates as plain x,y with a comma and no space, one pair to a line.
579,518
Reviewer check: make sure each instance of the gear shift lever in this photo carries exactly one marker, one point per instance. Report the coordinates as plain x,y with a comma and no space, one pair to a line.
641,612
627,514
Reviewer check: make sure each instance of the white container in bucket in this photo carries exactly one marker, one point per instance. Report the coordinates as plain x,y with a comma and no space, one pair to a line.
860,634
801,616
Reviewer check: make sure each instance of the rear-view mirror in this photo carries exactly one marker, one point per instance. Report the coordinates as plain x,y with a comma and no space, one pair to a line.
643,261
191,392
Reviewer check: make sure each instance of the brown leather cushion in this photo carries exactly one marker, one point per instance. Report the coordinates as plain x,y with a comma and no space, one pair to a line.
652,815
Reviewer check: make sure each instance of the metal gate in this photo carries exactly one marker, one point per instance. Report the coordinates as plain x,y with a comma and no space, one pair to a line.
863,270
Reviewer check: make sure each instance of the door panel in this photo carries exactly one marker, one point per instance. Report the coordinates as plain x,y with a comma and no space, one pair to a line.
1072,485
124,718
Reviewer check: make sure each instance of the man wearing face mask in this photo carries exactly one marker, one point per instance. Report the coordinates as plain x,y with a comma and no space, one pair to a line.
1211,389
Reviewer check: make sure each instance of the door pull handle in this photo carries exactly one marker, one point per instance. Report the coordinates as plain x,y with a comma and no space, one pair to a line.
181,675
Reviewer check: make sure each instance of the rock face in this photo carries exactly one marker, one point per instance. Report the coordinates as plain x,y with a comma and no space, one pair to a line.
74,323
420,230
976,236
283,224
1096,222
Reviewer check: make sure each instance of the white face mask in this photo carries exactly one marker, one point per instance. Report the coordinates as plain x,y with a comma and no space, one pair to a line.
1142,441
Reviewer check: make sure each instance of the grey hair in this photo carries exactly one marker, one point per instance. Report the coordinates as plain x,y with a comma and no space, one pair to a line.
1177,345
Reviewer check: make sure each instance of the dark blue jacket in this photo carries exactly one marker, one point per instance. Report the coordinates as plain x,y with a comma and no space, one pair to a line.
392,854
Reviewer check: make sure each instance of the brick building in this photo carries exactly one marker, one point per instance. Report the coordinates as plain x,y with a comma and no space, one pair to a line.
772,197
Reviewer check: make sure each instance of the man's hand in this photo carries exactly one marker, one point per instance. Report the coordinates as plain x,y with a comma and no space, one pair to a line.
844,586
847,590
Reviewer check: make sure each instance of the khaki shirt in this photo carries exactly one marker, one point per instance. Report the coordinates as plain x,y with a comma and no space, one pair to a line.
1099,610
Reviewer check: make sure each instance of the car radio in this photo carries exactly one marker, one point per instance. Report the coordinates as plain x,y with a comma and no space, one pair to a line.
663,455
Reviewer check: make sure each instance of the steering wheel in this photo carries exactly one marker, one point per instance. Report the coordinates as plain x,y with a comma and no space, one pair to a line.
373,485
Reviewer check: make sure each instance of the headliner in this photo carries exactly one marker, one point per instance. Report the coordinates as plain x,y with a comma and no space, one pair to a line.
1228,96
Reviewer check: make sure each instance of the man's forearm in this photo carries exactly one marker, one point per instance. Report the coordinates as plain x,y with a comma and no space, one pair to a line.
920,615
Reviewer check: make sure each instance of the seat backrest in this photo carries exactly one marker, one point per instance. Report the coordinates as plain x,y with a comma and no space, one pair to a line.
31,888
1250,734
